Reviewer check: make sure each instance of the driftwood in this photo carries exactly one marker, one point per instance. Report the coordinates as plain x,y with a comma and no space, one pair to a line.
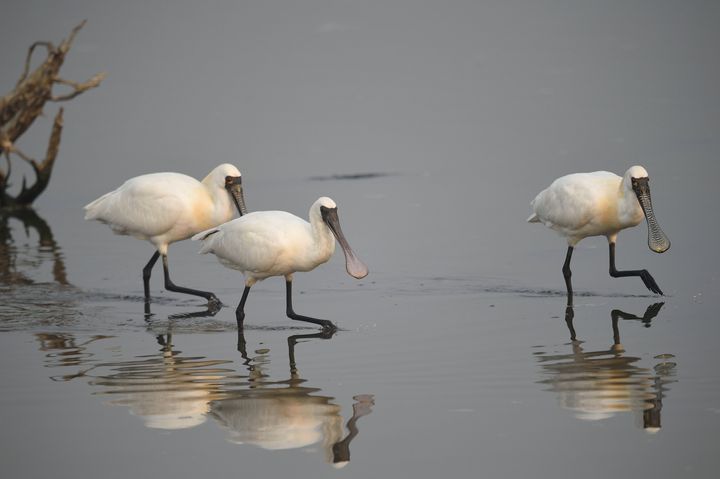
20,108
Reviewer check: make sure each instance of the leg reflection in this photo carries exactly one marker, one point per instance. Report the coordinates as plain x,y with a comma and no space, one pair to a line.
295,338
616,314
599,383
287,412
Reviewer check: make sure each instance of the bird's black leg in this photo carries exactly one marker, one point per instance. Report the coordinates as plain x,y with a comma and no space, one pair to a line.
616,331
568,275
643,273
569,316
146,273
240,311
242,348
170,286
327,325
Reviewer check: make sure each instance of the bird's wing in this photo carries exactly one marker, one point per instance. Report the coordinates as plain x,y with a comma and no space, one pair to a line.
566,204
257,242
142,206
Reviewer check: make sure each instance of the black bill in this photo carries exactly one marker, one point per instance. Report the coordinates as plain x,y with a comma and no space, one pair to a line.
657,240
234,186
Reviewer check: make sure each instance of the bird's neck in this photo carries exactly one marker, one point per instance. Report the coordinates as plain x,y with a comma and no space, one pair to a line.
222,205
629,211
323,240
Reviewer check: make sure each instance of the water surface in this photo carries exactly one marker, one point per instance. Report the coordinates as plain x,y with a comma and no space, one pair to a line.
432,127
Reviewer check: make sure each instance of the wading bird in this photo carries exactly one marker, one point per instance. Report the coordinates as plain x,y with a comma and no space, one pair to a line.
600,203
275,243
163,208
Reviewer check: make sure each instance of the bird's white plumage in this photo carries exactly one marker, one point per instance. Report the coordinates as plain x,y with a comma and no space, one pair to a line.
271,243
600,203
163,208
589,204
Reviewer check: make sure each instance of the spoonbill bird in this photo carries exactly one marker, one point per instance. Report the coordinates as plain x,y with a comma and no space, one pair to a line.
276,243
600,203
163,208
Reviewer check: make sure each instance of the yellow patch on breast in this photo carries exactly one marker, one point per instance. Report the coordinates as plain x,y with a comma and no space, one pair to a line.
202,211
608,213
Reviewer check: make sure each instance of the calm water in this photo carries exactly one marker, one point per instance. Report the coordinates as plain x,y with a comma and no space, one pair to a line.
456,356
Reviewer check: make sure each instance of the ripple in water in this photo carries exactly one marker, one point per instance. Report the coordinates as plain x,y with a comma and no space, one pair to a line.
172,391
598,384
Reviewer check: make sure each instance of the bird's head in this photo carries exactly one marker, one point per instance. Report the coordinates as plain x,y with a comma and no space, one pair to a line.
231,179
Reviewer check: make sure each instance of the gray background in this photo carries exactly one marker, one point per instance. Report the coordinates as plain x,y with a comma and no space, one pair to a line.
469,109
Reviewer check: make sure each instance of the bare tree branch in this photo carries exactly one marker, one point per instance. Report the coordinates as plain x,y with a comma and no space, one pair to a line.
50,47
21,107
43,170
78,87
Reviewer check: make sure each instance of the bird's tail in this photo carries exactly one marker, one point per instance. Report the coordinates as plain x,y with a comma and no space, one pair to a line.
202,236
95,209
533,218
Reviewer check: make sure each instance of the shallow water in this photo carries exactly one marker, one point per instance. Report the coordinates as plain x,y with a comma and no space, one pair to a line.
427,375
457,355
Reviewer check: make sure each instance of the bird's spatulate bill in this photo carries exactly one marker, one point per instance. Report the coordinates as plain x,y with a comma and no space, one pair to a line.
657,239
353,265
236,192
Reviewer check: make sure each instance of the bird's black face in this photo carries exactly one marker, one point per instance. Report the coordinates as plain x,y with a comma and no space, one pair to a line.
657,240
641,186
233,184
353,265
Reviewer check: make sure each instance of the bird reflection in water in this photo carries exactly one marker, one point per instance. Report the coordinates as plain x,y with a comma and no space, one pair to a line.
288,414
170,390
598,384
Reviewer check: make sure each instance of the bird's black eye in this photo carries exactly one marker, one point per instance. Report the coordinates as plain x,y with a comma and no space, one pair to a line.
228,180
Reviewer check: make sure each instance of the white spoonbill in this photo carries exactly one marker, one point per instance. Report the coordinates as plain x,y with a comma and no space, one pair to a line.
275,243
600,203
163,208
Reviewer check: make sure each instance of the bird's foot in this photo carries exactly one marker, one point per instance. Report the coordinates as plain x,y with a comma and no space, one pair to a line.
650,282
328,327
213,303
